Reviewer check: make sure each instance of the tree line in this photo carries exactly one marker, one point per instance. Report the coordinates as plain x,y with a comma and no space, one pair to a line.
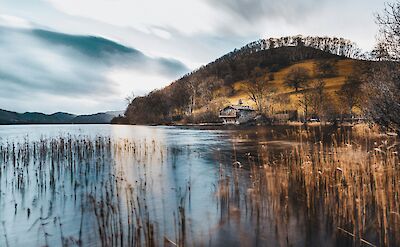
333,45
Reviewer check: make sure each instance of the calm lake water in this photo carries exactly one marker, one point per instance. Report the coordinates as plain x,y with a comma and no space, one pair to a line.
93,185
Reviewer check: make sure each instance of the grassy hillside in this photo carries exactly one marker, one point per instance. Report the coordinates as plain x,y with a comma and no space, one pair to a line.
198,96
345,69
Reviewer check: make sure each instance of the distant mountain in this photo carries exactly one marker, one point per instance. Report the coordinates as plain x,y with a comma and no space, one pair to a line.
115,113
9,117
94,118
62,116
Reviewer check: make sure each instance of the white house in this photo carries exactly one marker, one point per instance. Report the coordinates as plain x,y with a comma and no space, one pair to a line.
237,114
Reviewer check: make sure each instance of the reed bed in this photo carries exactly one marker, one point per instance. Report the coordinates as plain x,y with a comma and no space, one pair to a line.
105,181
344,191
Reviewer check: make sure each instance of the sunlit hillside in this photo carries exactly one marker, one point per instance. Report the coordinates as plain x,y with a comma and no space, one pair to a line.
345,69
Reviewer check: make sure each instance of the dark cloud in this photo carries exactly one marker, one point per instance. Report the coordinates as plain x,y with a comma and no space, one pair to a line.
91,46
109,51
40,62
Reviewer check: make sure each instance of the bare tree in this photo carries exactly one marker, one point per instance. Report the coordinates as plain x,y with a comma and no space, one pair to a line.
192,86
380,52
350,94
383,93
297,78
312,100
129,98
180,97
382,87
305,101
389,32
259,89
318,98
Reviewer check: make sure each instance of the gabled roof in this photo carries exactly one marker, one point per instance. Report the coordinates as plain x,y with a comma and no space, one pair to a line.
240,107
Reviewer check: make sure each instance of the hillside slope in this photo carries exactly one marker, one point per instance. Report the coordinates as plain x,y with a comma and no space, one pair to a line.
198,96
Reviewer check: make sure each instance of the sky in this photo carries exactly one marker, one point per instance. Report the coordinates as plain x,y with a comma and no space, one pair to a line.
86,56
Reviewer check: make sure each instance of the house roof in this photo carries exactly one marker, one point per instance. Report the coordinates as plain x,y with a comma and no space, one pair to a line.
240,108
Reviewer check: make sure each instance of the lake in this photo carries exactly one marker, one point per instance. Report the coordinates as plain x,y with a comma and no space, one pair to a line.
108,185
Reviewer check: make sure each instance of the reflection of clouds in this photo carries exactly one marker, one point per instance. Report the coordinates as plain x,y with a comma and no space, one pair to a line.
138,133
41,65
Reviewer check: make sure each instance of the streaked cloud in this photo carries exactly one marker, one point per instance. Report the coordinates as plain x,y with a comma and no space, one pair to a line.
252,11
36,64
235,19
188,17
13,21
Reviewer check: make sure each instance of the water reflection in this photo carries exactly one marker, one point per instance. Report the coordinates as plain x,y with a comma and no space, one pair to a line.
91,185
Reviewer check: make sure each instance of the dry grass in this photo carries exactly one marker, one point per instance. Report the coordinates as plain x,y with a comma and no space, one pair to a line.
348,186
345,69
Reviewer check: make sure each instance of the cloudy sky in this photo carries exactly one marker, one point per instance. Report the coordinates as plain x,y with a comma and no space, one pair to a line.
86,56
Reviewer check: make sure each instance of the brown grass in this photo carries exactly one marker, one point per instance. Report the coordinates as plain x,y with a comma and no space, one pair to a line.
351,182
345,69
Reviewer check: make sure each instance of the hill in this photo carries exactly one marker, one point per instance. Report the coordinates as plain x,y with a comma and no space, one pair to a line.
9,117
94,118
198,96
